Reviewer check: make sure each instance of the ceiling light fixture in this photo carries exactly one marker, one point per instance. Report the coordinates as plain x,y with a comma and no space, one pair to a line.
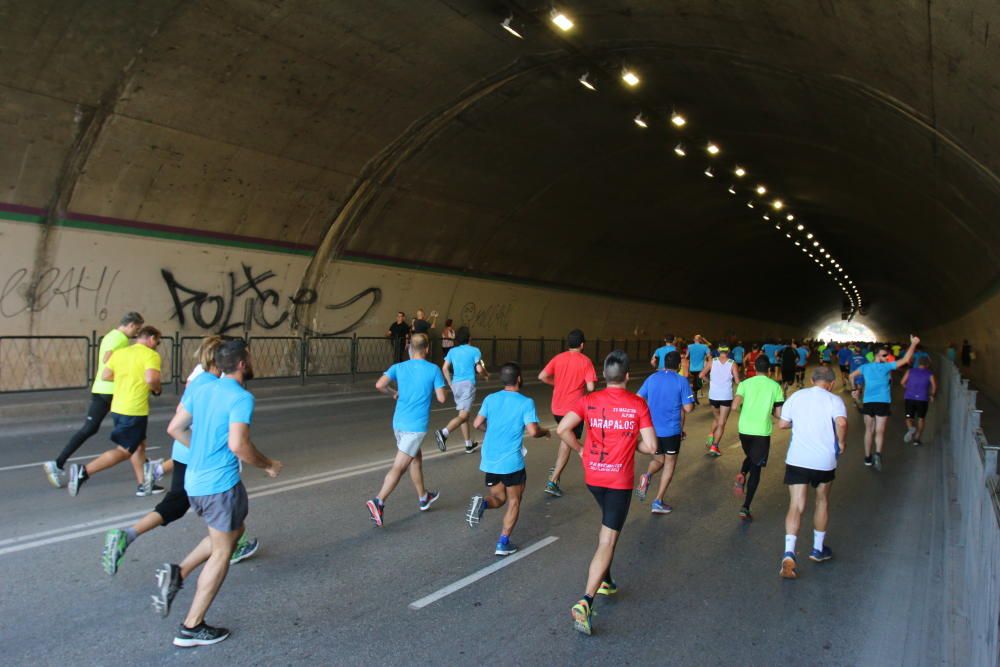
677,120
767,217
749,204
789,217
788,235
708,172
586,82
761,190
815,243
509,27
561,21
712,149
740,172
679,150
629,77
732,189
799,227
640,121
778,204
809,235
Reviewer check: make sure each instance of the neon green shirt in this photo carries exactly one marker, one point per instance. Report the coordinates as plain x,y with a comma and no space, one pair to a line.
759,393
113,340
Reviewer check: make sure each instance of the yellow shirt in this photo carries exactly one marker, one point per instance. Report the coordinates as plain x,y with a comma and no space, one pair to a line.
131,396
113,340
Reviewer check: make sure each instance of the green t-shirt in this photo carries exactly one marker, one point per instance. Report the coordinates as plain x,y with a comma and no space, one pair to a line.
759,393
113,340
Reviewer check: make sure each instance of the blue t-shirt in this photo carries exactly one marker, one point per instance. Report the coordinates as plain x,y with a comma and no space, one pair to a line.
661,354
416,380
696,355
827,351
666,393
771,350
917,356
857,361
877,381
463,360
844,356
507,413
212,468
180,452
737,354
803,353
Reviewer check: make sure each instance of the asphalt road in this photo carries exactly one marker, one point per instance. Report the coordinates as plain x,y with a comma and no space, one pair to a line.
698,587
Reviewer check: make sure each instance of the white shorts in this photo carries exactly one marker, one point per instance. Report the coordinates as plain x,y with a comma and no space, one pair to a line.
409,442
464,393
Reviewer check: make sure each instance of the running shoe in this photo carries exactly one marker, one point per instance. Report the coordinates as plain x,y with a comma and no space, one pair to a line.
425,503
821,555
246,547
168,580
203,635
115,545
475,512
868,461
714,451
745,514
607,588
709,442
149,476
56,477
739,485
917,443
376,509
908,436
643,487
581,617
441,439
155,490
471,447
552,488
660,507
77,476
505,548
877,462
788,570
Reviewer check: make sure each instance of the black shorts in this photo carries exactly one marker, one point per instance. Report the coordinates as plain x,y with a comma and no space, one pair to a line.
175,504
788,374
845,369
797,475
915,409
129,431
720,404
756,447
876,409
670,444
579,427
614,505
507,479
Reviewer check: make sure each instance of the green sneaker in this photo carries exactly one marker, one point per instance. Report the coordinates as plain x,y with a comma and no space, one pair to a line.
581,617
115,545
246,547
552,488
607,588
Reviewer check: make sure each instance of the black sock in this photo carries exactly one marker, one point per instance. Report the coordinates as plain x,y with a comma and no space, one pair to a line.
83,477
589,599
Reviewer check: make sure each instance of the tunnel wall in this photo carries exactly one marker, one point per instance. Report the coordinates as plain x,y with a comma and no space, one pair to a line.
981,326
96,269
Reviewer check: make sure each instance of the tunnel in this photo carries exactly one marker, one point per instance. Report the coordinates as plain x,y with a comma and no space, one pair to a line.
290,169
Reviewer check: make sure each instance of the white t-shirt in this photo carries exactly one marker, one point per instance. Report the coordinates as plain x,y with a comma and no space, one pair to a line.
814,441
720,387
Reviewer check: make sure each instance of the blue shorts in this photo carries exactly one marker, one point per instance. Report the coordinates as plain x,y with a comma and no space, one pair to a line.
129,431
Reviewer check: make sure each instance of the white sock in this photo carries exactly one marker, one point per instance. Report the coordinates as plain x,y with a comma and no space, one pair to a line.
444,431
468,443
790,543
424,497
818,537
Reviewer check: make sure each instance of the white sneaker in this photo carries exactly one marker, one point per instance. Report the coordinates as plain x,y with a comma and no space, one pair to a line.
56,477
909,434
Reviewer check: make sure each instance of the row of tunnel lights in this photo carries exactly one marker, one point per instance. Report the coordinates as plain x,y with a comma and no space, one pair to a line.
809,245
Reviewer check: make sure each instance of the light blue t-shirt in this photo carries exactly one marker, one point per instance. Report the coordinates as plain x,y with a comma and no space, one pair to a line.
771,350
507,413
737,354
827,351
463,360
666,393
844,356
661,354
917,356
696,355
416,380
876,377
212,468
180,452
803,353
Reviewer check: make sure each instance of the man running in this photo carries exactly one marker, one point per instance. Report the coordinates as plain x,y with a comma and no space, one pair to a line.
788,357
920,388
398,334
466,361
698,356
802,358
722,375
504,415
100,400
417,380
857,381
175,504
618,423
750,361
222,411
757,398
135,371
818,420
844,361
669,398
571,374
878,398
660,353
738,353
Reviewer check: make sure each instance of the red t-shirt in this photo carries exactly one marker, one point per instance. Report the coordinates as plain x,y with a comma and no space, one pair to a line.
613,417
751,362
571,371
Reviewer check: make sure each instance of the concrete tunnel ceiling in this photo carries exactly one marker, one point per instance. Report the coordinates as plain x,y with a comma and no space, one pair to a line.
875,122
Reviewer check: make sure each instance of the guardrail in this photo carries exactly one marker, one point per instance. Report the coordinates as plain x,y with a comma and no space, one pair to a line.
46,363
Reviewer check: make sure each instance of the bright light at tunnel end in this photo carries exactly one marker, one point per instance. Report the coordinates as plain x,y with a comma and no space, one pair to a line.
842,331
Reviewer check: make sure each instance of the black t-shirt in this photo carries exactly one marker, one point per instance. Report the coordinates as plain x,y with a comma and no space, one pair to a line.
421,326
789,357
399,329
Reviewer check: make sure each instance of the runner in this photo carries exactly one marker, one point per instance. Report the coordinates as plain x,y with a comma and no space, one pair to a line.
844,355
789,358
417,380
857,384
656,361
618,423
759,397
571,374
504,415
670,399
878,398
466,361
722,374
698,355
175,504
802,358
223,412
920,387
135,371
750,362
770,350
738,353
818,420
398,333
825,353
100,400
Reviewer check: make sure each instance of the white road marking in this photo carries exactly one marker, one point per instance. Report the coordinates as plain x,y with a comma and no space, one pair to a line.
75,458
485,572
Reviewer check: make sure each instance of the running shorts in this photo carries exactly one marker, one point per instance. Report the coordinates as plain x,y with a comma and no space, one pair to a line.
129,431
756,447
579,427
876,409
720,404
614,505
507,479
409,442
464,394
845,369
224,511
915,409
175,504
788,374
670,444
796,475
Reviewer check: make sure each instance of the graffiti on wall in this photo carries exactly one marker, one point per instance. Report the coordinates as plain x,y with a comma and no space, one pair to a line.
71,288
493,318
